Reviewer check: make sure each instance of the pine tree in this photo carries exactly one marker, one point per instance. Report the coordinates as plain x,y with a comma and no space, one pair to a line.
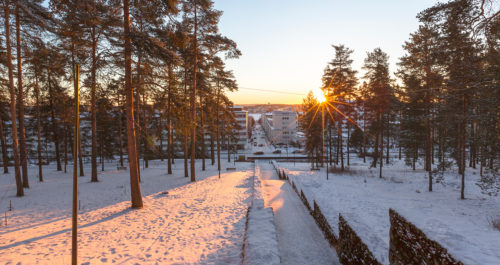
310,123
339,82
15,145
380,95
421,71
135,188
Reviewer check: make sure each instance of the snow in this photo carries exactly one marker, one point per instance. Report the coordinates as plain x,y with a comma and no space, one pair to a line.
299,238
201,222
462,226
261,243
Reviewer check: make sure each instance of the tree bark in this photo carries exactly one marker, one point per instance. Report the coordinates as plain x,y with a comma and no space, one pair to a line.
193,99
428,154
54,121
137,113
381,146
20,105
348,140
160,136
74,233
364,133
218,129
19,184
341,145
5,158
67,132
463,138
212,148
135,188
93,103
120,129
202,132
185,127
169,120
145,131
387,143
38,129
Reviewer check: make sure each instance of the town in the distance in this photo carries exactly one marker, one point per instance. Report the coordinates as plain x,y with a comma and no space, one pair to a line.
249,132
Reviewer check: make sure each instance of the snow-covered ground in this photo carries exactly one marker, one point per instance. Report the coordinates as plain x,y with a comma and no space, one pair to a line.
300,240
462,226
200,222
261,242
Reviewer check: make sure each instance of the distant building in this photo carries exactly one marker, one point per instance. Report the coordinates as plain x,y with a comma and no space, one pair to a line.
241,131
280,126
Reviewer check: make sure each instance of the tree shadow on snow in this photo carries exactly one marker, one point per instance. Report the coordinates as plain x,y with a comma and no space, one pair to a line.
31,240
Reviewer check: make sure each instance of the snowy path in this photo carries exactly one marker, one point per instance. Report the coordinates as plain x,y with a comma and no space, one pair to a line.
197,223
299,239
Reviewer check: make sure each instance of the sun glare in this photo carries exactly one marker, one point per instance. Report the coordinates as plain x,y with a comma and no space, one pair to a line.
319,95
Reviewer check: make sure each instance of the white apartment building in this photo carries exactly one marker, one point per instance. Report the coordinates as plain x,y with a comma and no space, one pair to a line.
280,126
241,132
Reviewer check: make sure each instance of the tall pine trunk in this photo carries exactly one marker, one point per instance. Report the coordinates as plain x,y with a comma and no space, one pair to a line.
159,132
186,129
202,132
364,133
169,121
212,148
218,128
20,104
38,129
93,115
145,131
120,130
330,144
19,184
387,143
54,121
381,146
348,147
193,99
137,113
5,158
67,139
135,188
462,147
377,139
341,145
428,153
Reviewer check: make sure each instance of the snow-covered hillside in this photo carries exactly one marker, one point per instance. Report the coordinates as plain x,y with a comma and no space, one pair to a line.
200,222
462,226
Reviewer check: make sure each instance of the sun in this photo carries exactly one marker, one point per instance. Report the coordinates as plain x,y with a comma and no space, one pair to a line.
319,95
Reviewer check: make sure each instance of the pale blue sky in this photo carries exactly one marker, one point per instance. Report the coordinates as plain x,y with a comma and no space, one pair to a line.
287,44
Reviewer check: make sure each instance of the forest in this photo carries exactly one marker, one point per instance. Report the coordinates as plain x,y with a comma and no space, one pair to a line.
442,107
130,69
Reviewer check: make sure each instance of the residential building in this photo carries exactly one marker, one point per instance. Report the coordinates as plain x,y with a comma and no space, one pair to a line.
280,126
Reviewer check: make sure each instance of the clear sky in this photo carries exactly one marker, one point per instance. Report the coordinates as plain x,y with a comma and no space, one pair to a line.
287,44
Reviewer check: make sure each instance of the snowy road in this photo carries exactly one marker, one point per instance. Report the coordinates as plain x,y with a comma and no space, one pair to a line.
299,239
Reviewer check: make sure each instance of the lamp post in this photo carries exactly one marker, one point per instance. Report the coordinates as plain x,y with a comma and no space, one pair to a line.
321,98
74,216
323,138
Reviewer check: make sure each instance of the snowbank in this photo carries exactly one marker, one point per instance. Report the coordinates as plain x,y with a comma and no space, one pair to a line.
261,242
261,245
463,227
